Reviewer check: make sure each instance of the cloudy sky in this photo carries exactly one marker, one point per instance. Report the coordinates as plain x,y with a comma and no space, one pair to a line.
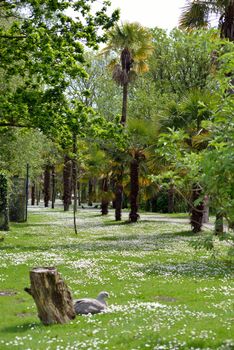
150,13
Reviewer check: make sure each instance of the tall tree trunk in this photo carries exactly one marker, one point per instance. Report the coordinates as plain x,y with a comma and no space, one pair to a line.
171,198
105,201
4,213
134,190
67,176
79,193
90,193
53,196
118,201
74,177
33,193
205,218
124,105
119,195
38,193
47,192
197,209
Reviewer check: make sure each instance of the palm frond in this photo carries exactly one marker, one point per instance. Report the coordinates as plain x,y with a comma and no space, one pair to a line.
194,14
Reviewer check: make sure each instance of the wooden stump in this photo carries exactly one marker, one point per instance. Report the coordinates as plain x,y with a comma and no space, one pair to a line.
51,295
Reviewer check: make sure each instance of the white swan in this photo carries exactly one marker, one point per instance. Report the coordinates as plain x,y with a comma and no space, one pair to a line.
91,306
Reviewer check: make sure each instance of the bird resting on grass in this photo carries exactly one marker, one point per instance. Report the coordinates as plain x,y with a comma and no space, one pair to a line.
91,306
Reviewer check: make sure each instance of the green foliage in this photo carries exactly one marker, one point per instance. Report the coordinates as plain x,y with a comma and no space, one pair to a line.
45,51
19,147
181,61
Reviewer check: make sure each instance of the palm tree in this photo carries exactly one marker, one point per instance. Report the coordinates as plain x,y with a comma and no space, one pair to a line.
131,45
197,14
142,134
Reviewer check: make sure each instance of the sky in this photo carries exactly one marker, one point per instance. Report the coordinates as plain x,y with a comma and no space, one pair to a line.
150,13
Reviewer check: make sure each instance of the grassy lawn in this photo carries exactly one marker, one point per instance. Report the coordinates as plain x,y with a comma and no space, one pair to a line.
163,293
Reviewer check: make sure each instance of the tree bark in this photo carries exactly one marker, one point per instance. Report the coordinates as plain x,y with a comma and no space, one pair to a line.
171,196
53,196
118,201
67,176
134,190
33,194
38,194
74,180
197,210
105,201
51,295
205,218
47,192
4,213
90,192
124,105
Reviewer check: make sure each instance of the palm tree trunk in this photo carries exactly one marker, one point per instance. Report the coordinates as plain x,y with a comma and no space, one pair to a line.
124,105
67,175
197,210
134,190
47,192
227,27
171,195
105,201
90,192
118,201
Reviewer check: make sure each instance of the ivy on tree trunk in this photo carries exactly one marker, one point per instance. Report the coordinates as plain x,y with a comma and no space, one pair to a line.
4,217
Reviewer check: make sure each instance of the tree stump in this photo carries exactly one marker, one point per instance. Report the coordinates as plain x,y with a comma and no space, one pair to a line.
51,295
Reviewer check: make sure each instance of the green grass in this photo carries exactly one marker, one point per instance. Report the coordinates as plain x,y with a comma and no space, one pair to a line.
163,293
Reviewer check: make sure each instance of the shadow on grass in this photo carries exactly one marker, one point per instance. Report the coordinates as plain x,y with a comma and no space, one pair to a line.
130,242
20,328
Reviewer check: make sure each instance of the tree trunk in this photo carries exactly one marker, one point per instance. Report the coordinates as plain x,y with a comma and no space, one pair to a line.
38,194
90,193
227,26
197,209
53,186
205,218
47,191
4,214
118,201
79,193
171,198
134,190
105,200
51,295
219,224
33,192
74,180
124,105
67,175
